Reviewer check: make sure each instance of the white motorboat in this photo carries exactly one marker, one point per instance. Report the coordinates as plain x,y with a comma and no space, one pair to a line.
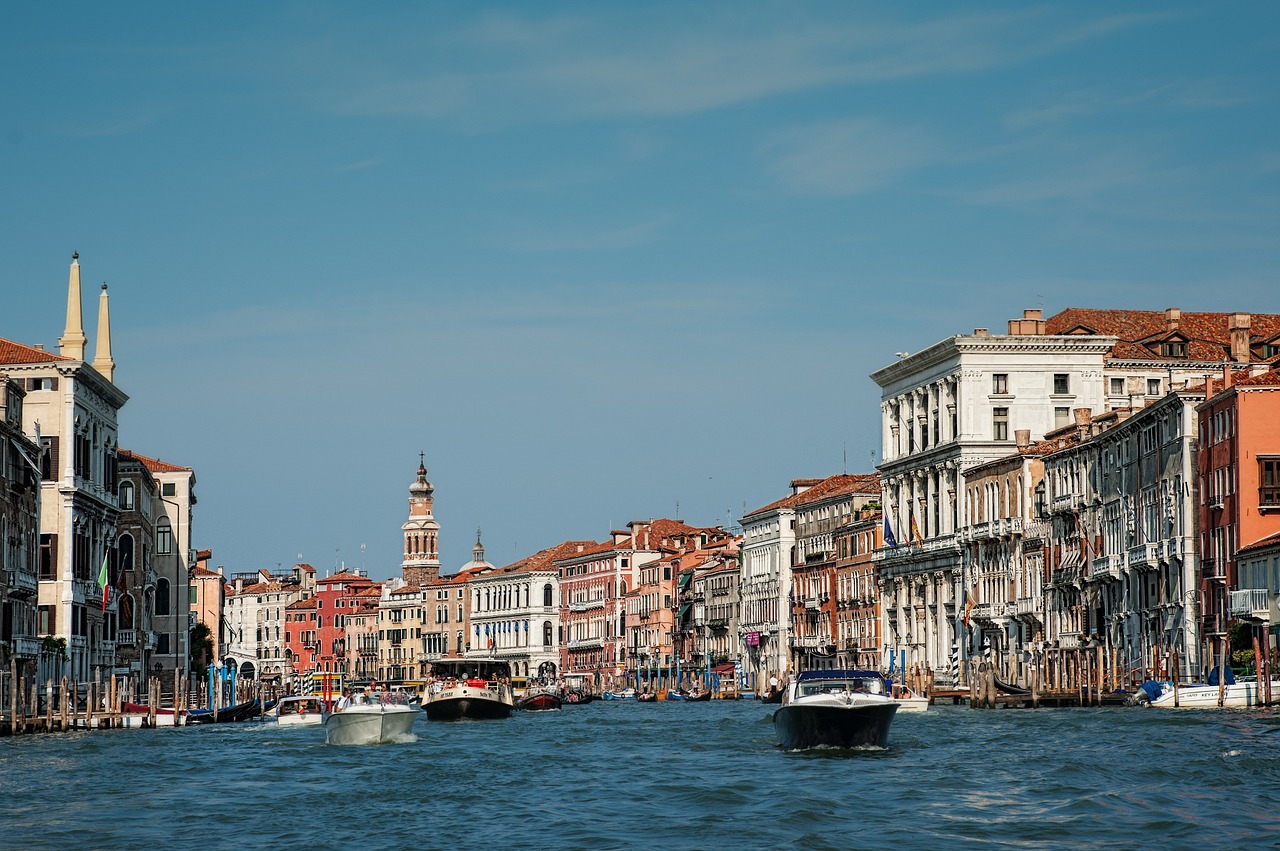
369,721
838,709
298,709
908,700
1239,695
468,688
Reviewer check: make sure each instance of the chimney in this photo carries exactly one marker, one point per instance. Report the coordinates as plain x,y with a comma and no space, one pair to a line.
1083,416
1030,325
1022,437
980,332
1239,327
1227,376
1208,387
1172,316
39,347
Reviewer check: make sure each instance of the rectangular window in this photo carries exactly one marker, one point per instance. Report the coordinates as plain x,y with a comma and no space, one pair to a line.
168,489
1269,479
1061,417
164,540
1000,383
1117,386
1153,387
1000,423
1061,384
162,644
48,556
193,594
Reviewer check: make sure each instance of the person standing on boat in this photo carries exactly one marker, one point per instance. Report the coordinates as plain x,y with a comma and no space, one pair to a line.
773,684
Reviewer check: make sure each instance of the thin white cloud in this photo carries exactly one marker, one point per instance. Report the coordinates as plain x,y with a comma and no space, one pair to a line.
1100,100
642,65
1070,181
847,157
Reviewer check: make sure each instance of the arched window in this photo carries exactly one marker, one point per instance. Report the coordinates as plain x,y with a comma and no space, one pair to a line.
164,538
125,550
546,633
162,596
547,592
126,496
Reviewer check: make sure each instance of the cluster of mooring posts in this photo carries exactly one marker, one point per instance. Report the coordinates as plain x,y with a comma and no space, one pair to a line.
96,705
1079,677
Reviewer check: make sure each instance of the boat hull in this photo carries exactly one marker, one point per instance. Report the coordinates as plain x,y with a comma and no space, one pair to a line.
801,726
369,725
455,704
576,698
539,702
1240,695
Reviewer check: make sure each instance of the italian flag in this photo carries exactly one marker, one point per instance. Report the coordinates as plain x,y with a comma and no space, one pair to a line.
105,582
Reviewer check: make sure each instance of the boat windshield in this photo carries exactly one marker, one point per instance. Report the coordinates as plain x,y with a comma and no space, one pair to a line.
859,685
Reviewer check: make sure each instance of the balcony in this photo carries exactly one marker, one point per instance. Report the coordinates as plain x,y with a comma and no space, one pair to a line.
1107,567
585,605
1069,640
1252,603
1213,569
586,643
126,637
805,642
87,590
1066,502
812,604
1009,526
26,647
21,583
1026,607
150,640
982,612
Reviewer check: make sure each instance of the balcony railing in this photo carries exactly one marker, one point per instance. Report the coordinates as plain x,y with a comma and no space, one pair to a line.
87,590
805,641
586,643
22,582
1252,603
1027,606
126,637
26,647
1213,569
1107,567
584,605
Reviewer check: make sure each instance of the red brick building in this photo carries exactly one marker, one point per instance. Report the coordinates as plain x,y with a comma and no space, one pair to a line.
1239,481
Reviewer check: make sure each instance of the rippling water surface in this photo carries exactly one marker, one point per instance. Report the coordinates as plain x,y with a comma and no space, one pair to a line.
682,775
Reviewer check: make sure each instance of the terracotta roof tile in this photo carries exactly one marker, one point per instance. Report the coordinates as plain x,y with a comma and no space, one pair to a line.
542,559
1207,335
153,464
843,483
11,352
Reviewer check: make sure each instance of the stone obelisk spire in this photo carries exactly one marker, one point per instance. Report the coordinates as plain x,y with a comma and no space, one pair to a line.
71,343
102,361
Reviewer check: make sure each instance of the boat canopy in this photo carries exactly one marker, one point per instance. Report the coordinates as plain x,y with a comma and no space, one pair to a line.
488,669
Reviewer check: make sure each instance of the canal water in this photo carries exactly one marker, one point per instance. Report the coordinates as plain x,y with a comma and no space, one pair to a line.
668,775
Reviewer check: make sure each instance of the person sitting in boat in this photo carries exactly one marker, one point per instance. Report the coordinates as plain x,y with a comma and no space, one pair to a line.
345,701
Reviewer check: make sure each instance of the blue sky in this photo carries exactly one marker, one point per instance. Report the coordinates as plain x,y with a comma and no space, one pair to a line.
597,259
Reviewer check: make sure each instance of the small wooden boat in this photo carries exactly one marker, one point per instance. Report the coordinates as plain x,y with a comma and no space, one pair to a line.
539,699
647,697
576,698
698,697
239,712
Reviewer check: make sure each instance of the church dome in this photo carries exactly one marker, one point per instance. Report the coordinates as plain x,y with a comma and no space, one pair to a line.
421,487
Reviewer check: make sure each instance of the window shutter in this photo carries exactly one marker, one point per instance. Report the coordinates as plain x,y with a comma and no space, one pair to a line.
53,458
53,383
53,554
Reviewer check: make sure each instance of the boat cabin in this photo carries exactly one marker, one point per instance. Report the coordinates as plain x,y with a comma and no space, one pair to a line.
475,672
827,682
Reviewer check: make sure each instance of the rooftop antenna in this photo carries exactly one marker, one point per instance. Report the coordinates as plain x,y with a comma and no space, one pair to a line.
844,456
677,509
362,557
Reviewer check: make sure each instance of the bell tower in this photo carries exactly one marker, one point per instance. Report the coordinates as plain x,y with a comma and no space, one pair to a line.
421,562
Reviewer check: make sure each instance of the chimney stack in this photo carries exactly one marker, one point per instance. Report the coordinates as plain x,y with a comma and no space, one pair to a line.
980,332
1228,378
1239,328
1022,437
1030,325
1172,316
